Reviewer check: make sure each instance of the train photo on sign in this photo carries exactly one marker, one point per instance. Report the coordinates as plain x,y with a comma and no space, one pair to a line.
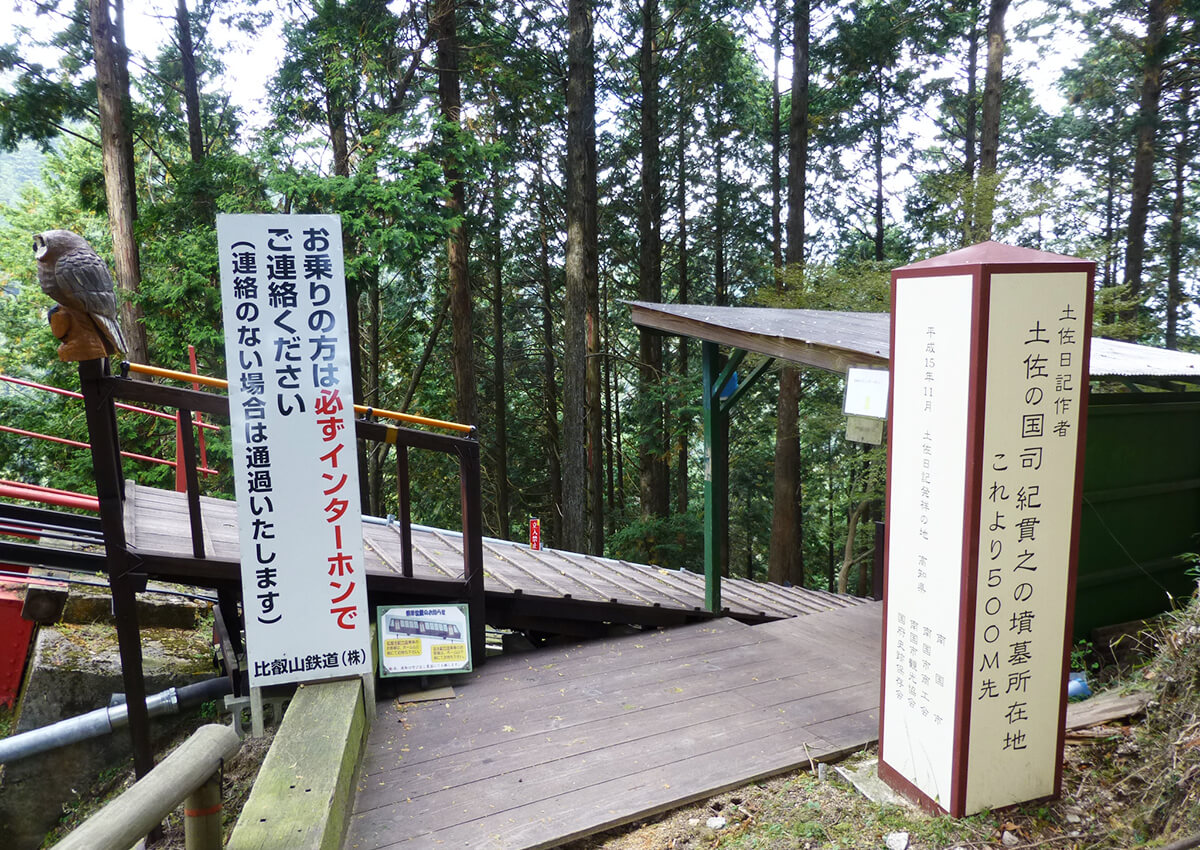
398,625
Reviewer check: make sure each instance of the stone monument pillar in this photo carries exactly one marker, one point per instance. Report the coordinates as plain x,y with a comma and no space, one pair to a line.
989,348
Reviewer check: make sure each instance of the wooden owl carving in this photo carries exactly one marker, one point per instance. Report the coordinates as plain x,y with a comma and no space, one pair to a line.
73,274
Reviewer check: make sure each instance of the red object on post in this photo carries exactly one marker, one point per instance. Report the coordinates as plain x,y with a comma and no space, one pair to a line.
535,533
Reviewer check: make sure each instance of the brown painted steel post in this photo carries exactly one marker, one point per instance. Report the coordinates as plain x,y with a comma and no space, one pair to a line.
110,492
404,510
187,442
472,527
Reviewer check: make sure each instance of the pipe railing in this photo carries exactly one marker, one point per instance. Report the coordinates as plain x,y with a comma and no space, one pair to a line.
103,721
158,414
21,432
368,412
191,775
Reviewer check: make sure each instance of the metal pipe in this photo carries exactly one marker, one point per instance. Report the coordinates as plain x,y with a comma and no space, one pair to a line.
221,383
71,394
102,721
21,432
28,494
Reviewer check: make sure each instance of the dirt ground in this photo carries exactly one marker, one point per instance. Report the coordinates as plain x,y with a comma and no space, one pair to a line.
802,812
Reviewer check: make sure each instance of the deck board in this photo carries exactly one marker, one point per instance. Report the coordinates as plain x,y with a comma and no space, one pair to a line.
157,524
550,745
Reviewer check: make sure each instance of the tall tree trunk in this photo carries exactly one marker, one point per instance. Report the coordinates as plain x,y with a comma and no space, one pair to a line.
989,137
610,482
191,99
426,353
720,280
371,396
685,420
462,347
1143,161
1183,151
1112,175
580,270
785,561
553,522
191,87
498,379
652,451
595,395
776,143
877,155
335,116
116,143
971,127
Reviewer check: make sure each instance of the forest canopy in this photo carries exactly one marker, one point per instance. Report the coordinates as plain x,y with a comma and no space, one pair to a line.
507,174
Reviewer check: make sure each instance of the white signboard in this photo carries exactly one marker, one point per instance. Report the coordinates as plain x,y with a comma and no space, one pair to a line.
989,371
926,506
419,640
866,392
295,465
1031,431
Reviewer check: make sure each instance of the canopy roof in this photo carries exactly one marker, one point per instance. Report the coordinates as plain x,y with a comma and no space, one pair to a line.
835,340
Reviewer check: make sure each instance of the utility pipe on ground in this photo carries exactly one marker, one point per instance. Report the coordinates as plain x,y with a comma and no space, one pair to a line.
102,721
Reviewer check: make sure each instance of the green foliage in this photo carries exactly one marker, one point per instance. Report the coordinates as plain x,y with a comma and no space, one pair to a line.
1084,658
356,130
675,542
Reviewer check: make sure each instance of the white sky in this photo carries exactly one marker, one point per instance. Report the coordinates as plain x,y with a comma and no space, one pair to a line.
252,60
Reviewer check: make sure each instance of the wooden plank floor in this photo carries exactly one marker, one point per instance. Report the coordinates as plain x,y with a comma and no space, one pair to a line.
542,747
156,521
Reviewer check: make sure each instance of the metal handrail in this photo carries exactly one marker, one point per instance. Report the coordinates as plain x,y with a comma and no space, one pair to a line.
221,383
78,444
49,388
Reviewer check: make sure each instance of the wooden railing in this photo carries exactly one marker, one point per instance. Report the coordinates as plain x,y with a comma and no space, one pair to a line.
191,775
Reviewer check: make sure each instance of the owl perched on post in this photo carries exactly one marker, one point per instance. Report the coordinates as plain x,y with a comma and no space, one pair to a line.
73,274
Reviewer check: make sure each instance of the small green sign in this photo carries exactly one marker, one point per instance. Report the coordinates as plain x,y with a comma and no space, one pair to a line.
423,640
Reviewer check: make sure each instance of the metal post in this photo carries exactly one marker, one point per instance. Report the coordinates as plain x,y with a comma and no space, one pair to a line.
110,487
187,456
472,528
716,461
404,510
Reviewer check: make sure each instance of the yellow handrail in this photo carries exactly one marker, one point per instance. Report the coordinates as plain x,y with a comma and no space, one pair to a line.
221,383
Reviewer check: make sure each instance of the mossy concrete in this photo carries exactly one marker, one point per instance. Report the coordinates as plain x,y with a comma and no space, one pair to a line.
302,796
75,669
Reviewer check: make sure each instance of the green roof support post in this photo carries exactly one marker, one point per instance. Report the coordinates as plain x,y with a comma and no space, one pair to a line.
716,476
716,460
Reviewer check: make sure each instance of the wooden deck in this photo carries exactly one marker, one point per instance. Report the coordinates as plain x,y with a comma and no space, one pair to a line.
550,590
542,747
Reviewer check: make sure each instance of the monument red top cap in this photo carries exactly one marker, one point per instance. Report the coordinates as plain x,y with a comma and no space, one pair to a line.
991,253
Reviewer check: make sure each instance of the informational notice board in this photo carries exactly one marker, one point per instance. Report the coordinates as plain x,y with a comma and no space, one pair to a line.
423,640
291,413
989,390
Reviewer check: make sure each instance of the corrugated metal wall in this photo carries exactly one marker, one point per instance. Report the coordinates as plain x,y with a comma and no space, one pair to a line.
1141,506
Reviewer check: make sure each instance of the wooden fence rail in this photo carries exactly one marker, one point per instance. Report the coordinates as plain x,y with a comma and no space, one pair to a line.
190,775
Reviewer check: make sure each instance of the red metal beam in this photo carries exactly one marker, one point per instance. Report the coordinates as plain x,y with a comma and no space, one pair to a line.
75,443
70,394
48,496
